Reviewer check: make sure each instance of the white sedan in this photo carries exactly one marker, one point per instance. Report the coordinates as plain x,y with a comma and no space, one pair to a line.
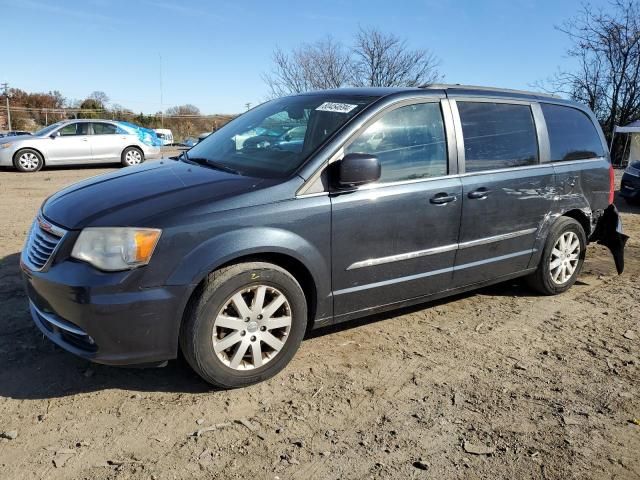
76,142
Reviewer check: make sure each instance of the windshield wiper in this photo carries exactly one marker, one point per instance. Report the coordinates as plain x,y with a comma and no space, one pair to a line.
209,163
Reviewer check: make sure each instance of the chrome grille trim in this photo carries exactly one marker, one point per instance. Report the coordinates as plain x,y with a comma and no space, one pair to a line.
42,243
68,327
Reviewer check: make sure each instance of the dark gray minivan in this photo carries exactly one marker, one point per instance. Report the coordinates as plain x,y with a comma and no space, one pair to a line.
383,198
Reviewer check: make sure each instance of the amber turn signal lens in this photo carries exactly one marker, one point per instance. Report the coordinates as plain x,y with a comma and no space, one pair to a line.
145,241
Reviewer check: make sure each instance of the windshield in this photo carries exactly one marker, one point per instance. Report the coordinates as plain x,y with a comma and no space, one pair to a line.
274,139
47,130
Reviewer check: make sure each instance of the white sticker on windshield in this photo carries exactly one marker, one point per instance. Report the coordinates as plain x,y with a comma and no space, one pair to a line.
336,107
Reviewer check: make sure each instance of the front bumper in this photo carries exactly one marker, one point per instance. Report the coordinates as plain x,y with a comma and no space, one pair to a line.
6,155
630,186
105,317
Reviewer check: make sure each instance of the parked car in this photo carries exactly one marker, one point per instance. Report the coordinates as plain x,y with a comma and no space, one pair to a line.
77,142
630,185
292,139
165,135
400,196
189,142
203,135
14,133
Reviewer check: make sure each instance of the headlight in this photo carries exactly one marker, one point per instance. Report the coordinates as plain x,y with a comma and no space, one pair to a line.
116,248
5,145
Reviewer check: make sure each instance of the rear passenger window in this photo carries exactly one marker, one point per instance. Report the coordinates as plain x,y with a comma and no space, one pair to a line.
409,142
571,133
104,129
497,135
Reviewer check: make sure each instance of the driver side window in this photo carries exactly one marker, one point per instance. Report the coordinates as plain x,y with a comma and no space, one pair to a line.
408,141
74,129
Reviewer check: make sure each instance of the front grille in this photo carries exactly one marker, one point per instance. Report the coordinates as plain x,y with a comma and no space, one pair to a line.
42,242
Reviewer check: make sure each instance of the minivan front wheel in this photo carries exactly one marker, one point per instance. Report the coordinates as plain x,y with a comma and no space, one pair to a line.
132,156
245,326
562,257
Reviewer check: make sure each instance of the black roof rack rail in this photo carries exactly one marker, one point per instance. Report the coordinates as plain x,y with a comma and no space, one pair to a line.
458,86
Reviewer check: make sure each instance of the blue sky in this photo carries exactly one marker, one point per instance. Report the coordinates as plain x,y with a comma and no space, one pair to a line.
213,52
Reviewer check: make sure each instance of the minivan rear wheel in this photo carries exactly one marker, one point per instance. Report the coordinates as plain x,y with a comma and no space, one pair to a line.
562,258
245,325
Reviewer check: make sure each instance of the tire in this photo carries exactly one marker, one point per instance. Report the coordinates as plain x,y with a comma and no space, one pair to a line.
131,156
28,160
215,315
552,281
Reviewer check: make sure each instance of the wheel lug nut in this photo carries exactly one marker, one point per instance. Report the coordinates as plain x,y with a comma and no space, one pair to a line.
247,319
253,338
243,333
263,329
259,317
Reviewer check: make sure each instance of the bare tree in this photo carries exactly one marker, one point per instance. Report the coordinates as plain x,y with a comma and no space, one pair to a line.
100,97
606,45
376,59
320,65
183,110
384,60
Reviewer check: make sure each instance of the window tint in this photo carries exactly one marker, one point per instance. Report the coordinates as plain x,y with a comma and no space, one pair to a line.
409,142
81,128
497,135
571,133
104,129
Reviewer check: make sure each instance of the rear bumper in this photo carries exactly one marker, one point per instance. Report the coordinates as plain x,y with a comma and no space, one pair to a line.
630,187
151,153
102,321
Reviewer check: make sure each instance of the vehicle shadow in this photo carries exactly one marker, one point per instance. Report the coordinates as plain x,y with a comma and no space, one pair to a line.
63,168
35,368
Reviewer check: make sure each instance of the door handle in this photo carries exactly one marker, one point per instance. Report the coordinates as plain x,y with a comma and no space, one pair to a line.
479,193
442,198
85,139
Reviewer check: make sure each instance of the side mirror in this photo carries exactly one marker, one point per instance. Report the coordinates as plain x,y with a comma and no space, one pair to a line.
357,169
54,135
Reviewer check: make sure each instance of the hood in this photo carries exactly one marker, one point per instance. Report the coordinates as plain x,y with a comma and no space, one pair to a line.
139,196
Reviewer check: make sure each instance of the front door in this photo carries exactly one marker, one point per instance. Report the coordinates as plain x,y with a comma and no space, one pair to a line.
71,145
506,192
396,240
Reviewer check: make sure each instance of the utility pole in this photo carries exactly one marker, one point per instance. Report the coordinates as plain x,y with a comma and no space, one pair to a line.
248,105
6,94
161,107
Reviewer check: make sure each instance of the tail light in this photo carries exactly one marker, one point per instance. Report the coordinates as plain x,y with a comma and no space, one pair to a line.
612,187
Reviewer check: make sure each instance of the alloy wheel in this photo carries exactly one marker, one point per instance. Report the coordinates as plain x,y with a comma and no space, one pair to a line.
252,327
133,157
29,161
564,258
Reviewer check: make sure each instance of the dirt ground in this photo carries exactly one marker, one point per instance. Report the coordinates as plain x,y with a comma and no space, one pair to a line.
498,383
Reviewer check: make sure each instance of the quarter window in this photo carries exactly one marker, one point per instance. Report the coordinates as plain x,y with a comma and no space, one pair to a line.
571,133
409,142
497,135
104,129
